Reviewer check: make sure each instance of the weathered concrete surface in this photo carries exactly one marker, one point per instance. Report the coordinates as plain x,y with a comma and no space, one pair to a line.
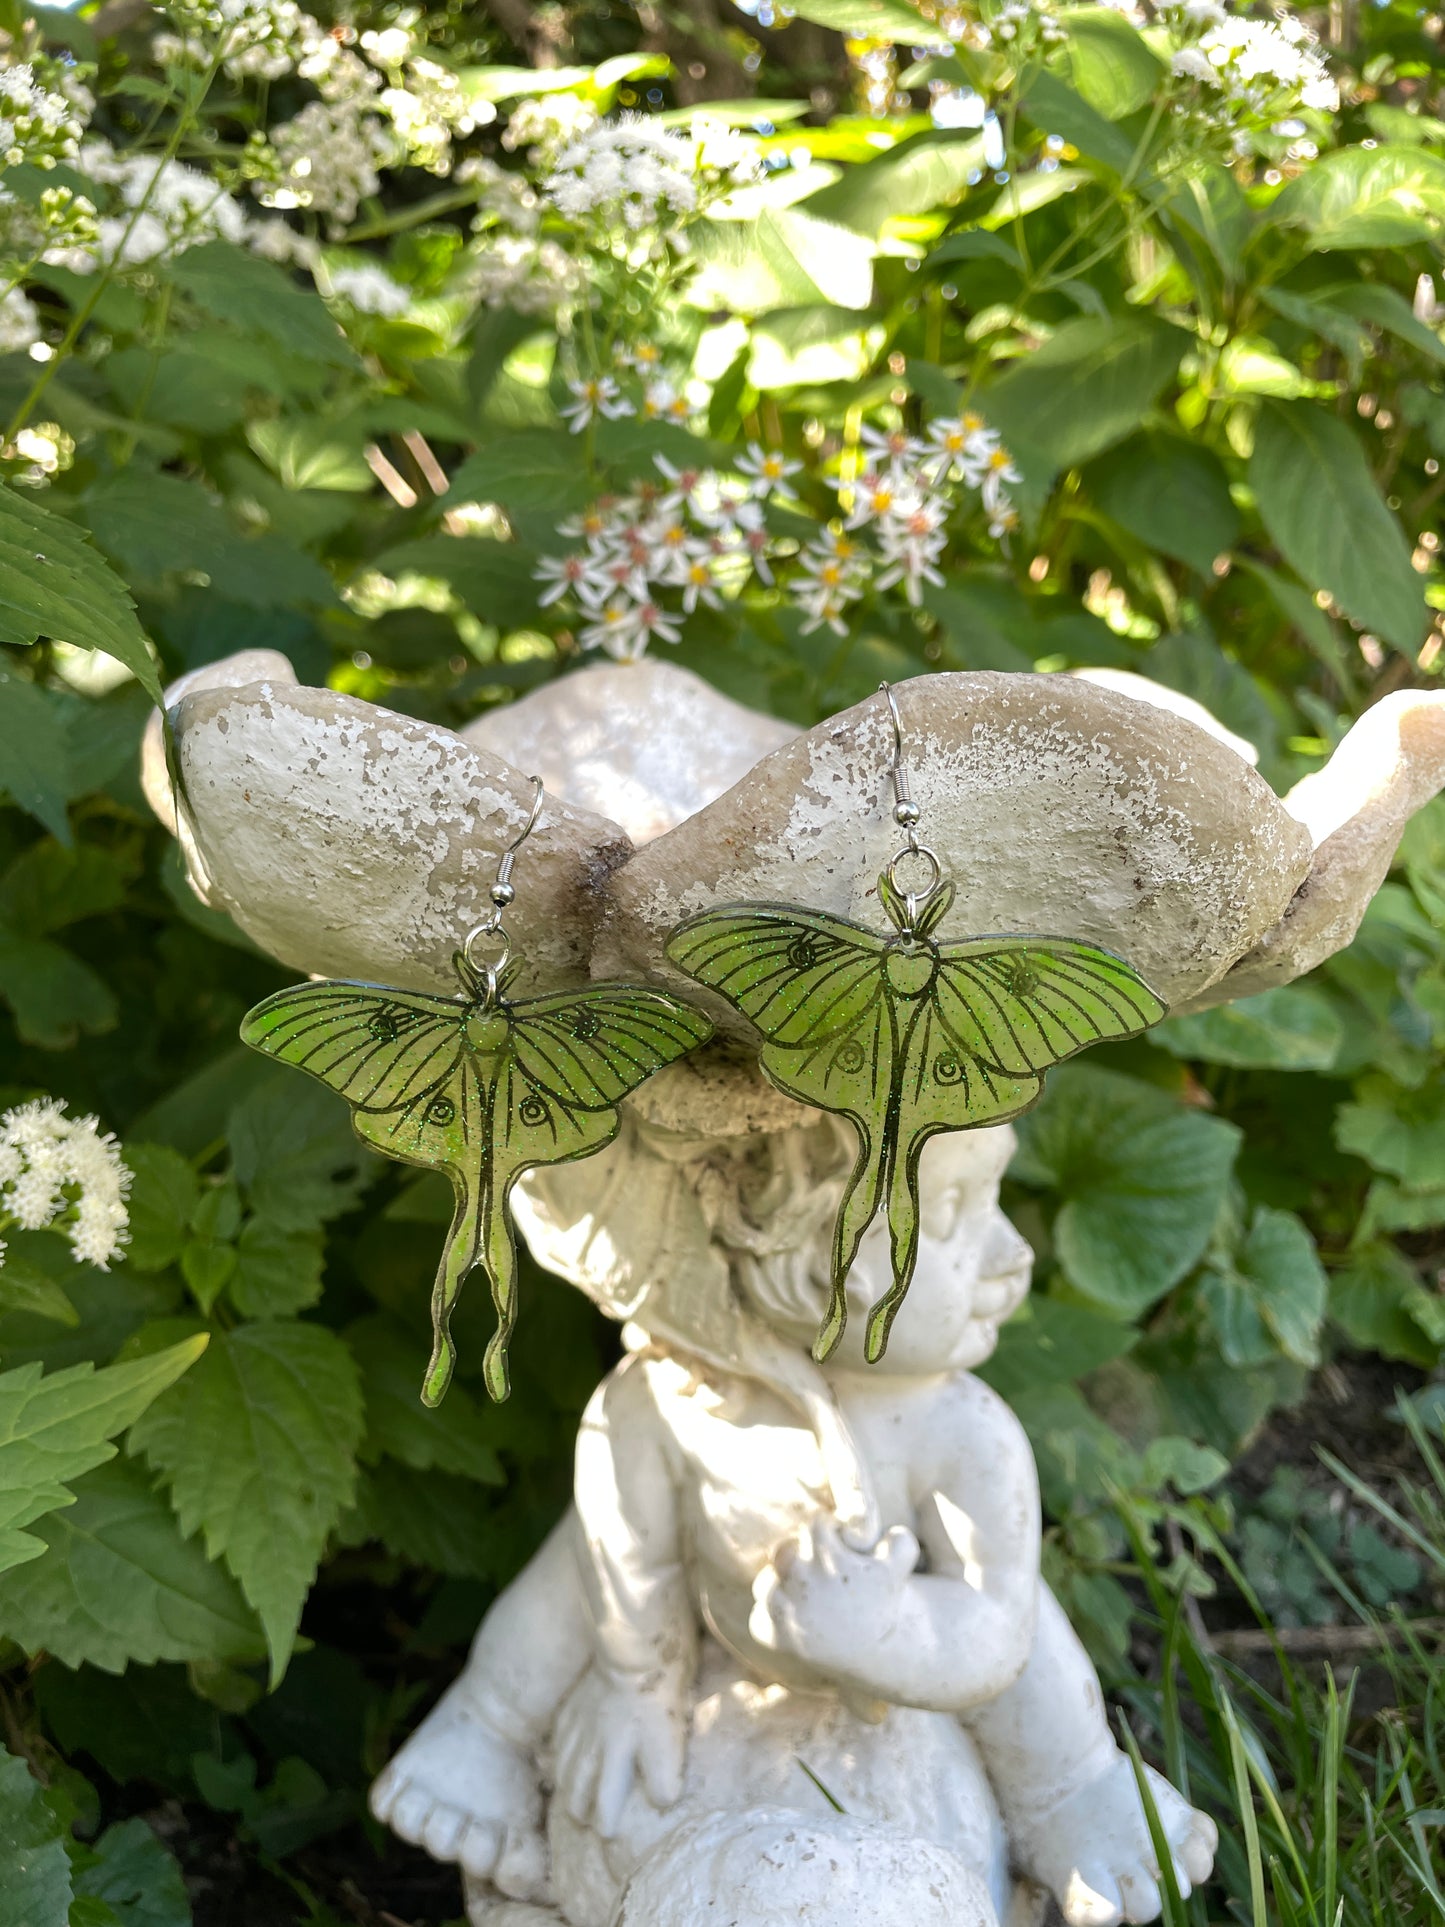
1058,807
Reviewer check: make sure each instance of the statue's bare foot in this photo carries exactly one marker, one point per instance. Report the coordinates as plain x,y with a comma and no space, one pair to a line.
465,1793
1094,1853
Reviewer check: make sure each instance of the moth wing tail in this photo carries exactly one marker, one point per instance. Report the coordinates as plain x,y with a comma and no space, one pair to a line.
903,1237
459,1255
856,1212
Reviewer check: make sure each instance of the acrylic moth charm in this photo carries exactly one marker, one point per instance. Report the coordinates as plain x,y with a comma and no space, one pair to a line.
905,1035
481,1087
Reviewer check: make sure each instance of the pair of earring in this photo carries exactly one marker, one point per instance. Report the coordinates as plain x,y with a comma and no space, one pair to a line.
900,1033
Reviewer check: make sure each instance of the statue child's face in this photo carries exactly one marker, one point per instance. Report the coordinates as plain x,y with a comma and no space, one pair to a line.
973,1267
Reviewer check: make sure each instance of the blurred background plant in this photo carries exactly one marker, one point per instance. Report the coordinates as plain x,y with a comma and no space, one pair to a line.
438,345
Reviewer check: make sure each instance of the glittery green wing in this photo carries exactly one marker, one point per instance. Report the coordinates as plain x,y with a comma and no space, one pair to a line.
400,1059
568,1061
814,986
1000,1012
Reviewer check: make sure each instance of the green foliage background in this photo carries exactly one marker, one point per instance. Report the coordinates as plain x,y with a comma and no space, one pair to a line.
1229,415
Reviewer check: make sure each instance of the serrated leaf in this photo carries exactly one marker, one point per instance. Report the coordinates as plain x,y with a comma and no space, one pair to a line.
53,1429
1140,1180
154,525
1398,1131
54,996
135,1876
117,1582
258,1446
1365,197
164,1193
1322,508
1272,1297
1053,107
295,1154
276,1272
33,1860
429,1519
1295,1028
262,299
1171,494
54,584
1087,387
531,469
453,1438
34,754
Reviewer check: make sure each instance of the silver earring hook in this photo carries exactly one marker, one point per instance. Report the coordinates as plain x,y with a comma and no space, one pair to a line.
906,814
503,894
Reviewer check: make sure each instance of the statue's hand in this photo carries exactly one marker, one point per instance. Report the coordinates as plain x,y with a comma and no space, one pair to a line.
824,1602
616,1731
465,1793
1094,1852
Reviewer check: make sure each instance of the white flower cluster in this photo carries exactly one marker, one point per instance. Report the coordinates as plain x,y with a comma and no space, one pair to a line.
1267,69
703,535
630,173
19,323
533,277
545,124
64,1172
40,122
370,289
427,112
328,159
182,208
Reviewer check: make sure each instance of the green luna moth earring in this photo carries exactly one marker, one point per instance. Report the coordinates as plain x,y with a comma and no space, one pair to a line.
479,1087
903,1035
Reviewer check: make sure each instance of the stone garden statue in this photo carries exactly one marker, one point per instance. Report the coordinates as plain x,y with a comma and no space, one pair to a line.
789,1657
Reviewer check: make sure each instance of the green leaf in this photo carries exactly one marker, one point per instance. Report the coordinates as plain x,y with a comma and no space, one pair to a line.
312,452
54,584
923,172
1398,1131
164,1193
47,887
276,1273
1048,1341
816,344
1387,308
429,1519
456,1437
494,579
53,1429
1322,509
1053,107
1086,388
53,995
136,1876
295,1155
26,1287
34,754
237,286
867,19
530,470
33,1860
1111,64
117,1583
1169,493
786,258
258,1447
1272,1297
1296,1028
1140,1180
1361,197
154,525
1372,1301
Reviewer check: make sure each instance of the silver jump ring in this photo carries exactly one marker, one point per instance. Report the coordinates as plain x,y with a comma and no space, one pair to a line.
491,967
922,851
